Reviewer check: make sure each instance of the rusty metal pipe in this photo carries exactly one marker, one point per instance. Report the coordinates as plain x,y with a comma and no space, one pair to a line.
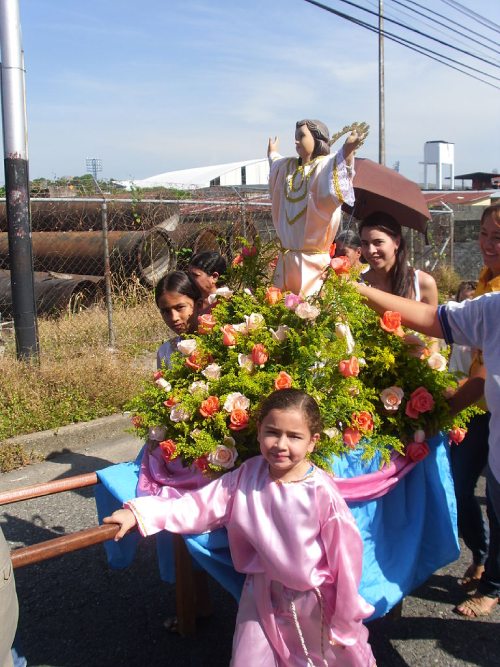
47,488
62,545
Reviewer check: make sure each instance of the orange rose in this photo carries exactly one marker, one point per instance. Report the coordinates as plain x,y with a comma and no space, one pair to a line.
168,448
229,335
209,406
363,421
238,419
273,295
416,451
206,323
351,437
341,265
283,381
333,248
390,321
457,434
237,260
170,402
259,354
349,367
137,421
196,361
420,401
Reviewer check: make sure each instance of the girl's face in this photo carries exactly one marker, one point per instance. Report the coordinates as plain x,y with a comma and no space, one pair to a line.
378,248
179,312
285,440
304,143
352,254
489,243
207,282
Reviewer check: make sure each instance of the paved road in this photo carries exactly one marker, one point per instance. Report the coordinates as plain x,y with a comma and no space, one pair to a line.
75,611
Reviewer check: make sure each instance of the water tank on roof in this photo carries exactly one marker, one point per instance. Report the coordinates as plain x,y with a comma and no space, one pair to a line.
438,154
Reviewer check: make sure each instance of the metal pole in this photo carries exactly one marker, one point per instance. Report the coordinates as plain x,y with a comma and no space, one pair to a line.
17,182
381,90
107,275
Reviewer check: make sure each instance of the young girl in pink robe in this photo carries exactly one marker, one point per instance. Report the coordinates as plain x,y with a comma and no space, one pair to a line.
292,534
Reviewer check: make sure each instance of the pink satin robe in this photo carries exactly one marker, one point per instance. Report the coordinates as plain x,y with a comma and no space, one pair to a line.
299,546
307,227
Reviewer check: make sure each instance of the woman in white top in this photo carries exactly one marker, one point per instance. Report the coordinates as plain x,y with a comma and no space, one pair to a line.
384,248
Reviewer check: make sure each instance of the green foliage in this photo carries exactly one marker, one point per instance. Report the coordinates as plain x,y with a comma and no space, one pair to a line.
307,343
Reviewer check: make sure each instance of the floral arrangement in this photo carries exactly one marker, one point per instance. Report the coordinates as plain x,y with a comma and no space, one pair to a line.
378,387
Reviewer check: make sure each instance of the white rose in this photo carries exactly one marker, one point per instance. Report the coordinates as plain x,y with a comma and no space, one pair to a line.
245,361
236,401
241,328
223,457
248,291
343,331
391,398
254,321
199,385
157,433
212,371
281,333
229,441
163,384
186,347
332,432
224,292
437,362
419,435
306,311
179,414
211,299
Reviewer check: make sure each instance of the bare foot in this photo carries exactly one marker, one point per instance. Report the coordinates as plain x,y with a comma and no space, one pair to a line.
471,577
477,605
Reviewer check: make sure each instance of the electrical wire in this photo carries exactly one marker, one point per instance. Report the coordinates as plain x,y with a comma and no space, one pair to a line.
404,42
473,15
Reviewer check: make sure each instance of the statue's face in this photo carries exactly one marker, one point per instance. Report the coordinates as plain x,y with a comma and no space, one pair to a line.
304,143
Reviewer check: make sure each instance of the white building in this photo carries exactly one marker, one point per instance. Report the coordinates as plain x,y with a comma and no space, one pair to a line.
248,172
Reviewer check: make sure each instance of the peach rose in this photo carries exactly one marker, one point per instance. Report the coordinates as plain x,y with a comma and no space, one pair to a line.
236,400
238,419
420,401
259,354
212,372
351,437
223,457
363,421
349,367
168,448
437,362
209,406
196,361
186,346
341,265
416,451
283,381
229,335
391,398
237,260
206,323
273,295
390,321
457,434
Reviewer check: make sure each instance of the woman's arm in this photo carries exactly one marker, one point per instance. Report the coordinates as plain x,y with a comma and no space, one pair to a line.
420,316
428,289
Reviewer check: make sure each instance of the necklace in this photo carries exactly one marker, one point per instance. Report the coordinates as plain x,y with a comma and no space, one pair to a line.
307,474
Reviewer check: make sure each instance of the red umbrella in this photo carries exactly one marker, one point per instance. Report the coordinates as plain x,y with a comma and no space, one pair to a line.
378,188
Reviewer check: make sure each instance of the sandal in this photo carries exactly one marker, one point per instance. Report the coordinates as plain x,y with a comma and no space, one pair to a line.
475,606
471,578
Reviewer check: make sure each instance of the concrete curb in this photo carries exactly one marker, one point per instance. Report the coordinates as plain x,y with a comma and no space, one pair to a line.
73,437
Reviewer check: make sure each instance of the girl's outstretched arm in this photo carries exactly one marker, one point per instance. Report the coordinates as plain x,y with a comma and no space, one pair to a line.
125,519
414,314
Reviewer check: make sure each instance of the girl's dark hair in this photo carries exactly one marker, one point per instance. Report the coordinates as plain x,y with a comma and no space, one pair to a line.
348,239
285,399
402,276
209,262
320,134
469,285
494,211
180,282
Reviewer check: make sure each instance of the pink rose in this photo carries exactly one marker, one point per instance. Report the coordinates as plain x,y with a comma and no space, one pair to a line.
259,354
229,335
223,457
391,398
420,401
249,251
416,451
292,301
206,323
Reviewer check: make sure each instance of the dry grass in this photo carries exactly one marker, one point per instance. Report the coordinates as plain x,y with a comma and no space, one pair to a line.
78,378
447,280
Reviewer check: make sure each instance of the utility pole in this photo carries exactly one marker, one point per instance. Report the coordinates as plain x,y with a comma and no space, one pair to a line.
17,182
381,92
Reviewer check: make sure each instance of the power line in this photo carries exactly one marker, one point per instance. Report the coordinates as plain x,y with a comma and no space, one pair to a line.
473,15
407,43
488,46
423,34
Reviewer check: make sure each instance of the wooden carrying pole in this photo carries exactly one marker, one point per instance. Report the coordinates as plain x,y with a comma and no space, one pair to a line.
47,488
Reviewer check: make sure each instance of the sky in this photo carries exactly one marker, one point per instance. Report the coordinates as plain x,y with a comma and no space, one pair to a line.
172,84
